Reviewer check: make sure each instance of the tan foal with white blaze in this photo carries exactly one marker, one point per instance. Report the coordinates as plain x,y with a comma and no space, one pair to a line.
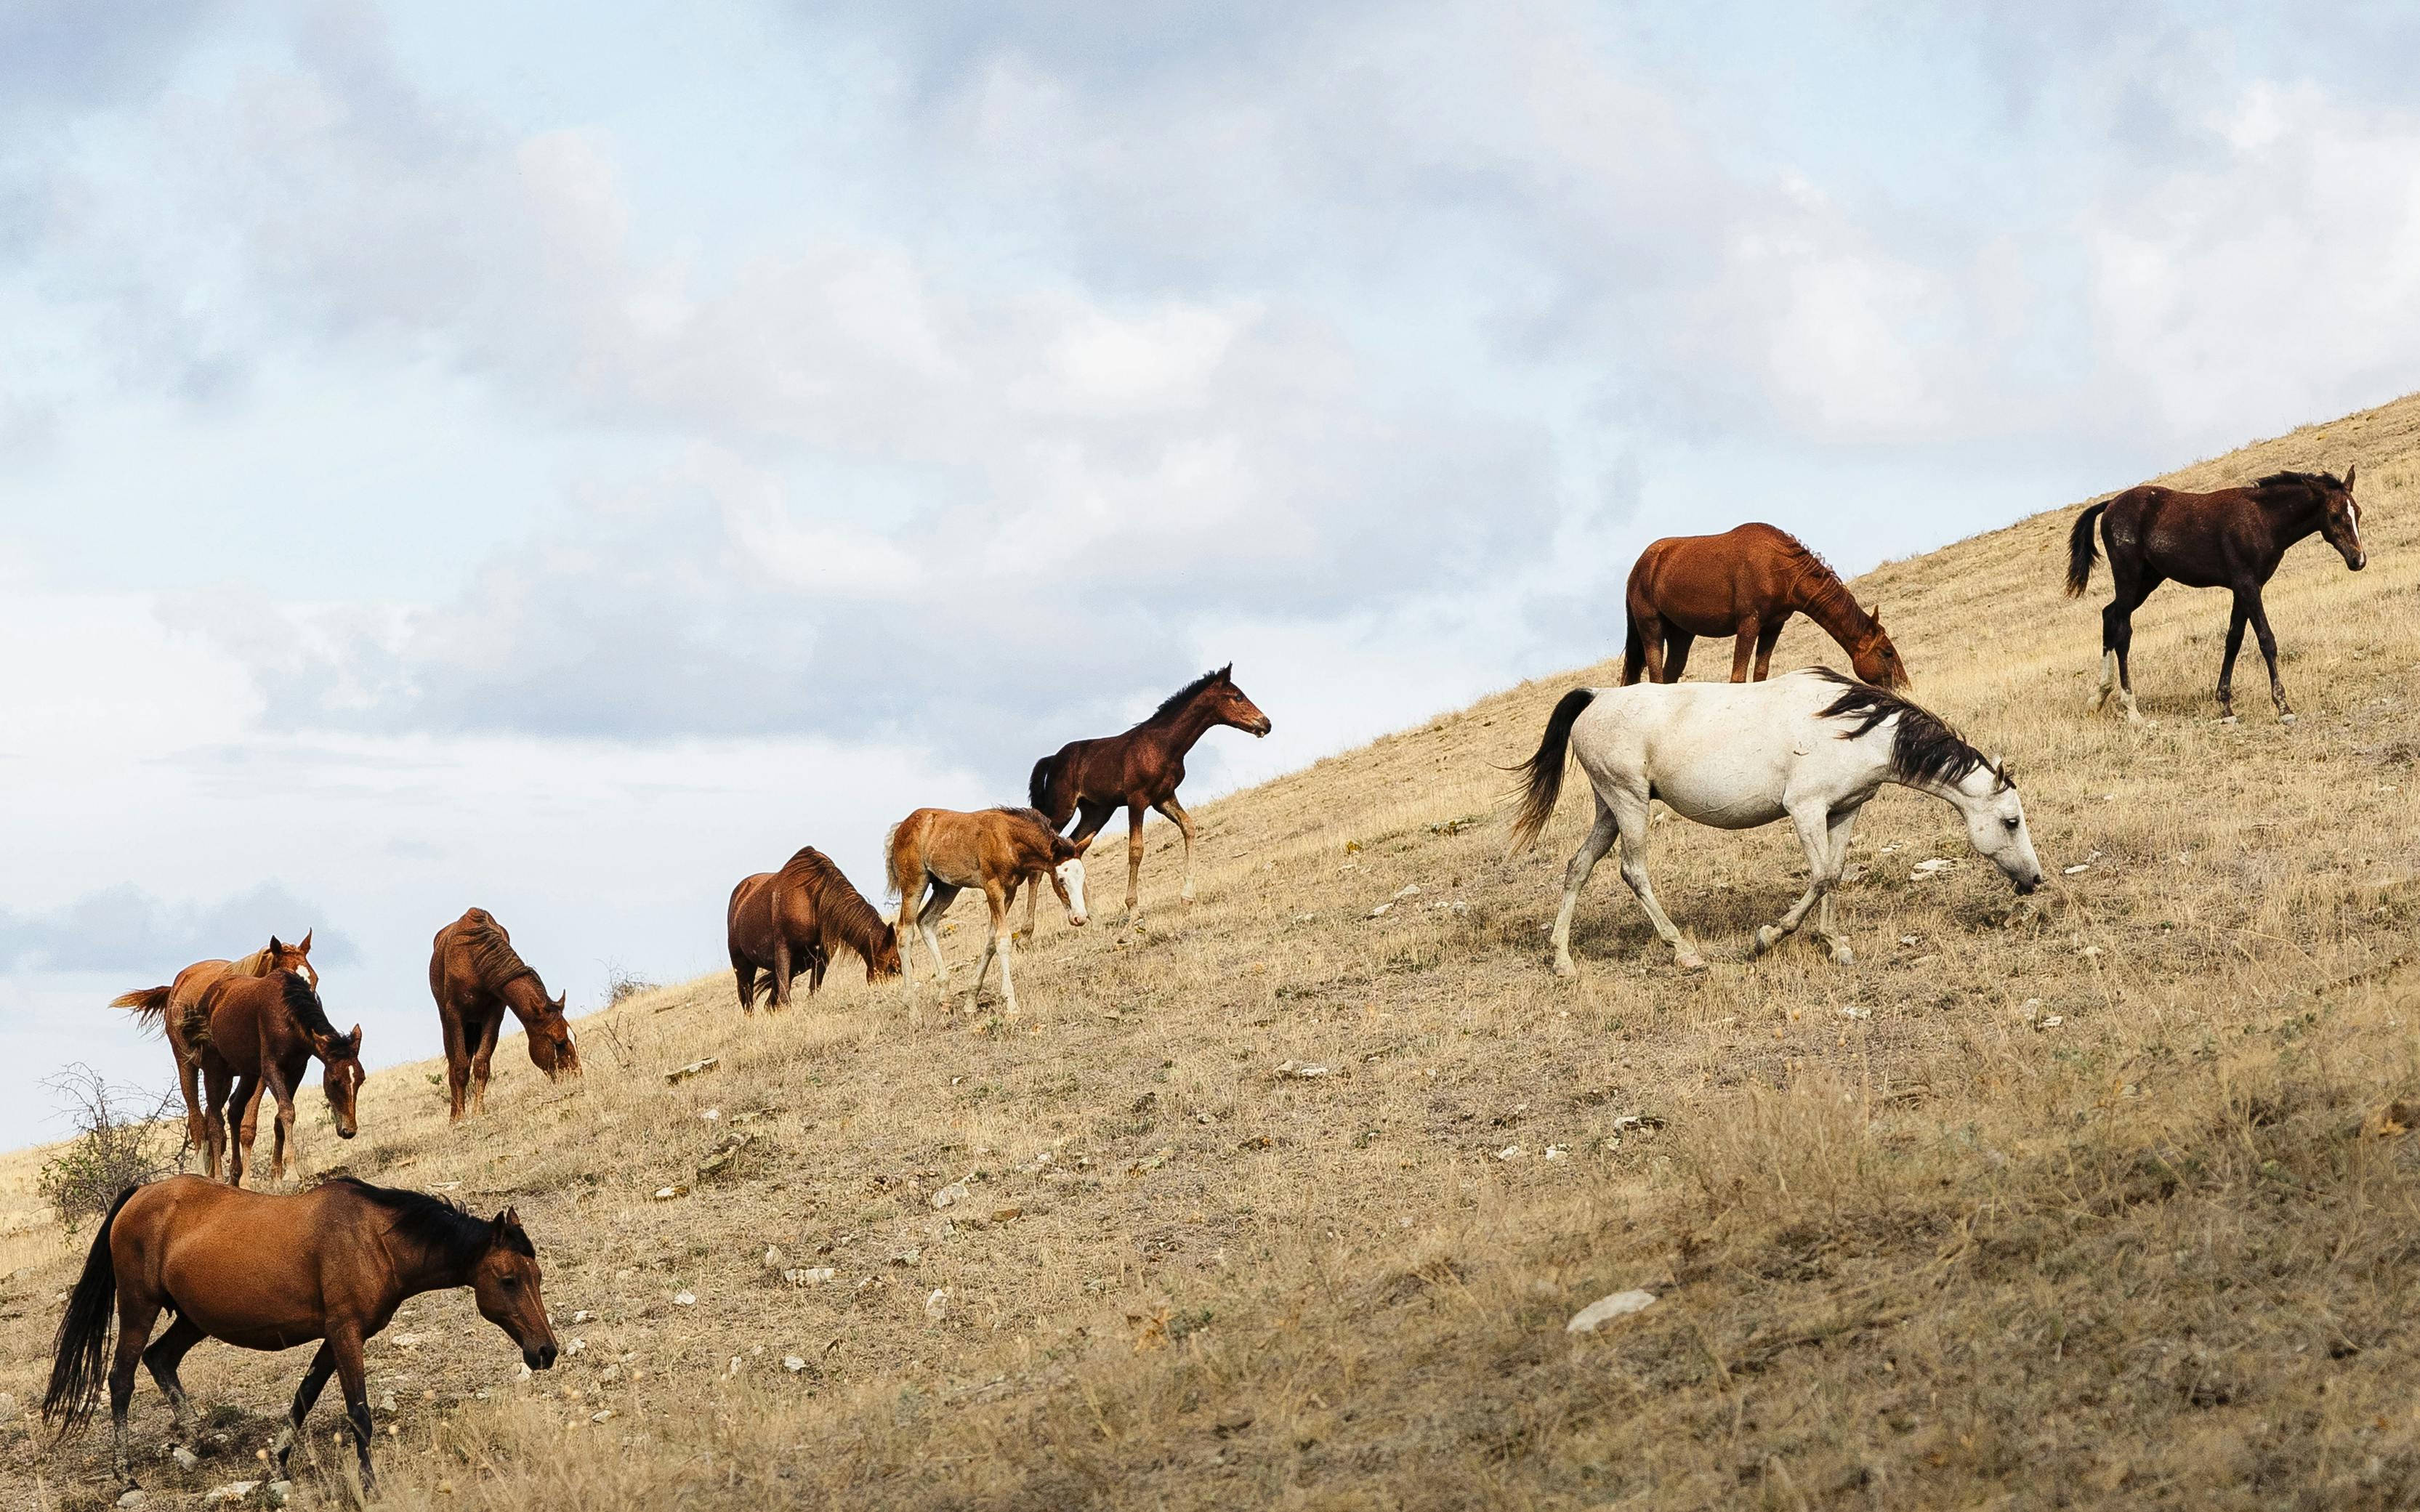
994,849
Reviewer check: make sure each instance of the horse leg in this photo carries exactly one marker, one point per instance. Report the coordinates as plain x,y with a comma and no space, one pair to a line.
457,1069
1649,629
1766,639
2269,654
781,969
483,1056
197,1129
745,974
1599,840
136,1313
1184,823
904,932
2235,623
323,1364
346,1346
1134,857
1813,822
1676,655
272,1081
1000,943
927,924
1630,818
2117,635
244,1102
215,1096
1743,648
163,1358
1843,824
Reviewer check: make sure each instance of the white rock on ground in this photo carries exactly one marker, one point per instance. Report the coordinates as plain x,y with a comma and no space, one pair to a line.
937,1307
1605,1309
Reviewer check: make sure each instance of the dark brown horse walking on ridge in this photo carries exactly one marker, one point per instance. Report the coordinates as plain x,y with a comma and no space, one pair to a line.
1139,770
792,920
475,975
171,1010
270,1273
260,1034
997,850
1745,583
2231,539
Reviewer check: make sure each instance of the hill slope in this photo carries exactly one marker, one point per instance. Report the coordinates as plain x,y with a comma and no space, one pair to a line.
2100,1198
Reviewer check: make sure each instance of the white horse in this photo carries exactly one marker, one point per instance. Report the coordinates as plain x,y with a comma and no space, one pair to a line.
1811,747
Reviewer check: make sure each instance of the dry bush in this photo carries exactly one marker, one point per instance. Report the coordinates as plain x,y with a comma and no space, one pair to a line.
124,1137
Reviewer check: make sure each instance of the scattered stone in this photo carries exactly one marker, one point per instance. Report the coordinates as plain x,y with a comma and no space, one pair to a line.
808,1276
910,1256
1855,1011
2090,952
1637,1121
407,1341
1605,1309
1911,939
1152,1162
1306,918
666,1193
228,1494
1002,1215
278,1492
1301,1070
1933,868
684,1299
712,1114
2076,871
575,1346
2049,1021
695,1067
1558,1151
134,1497
584,1316
937,1307
951,1195
1512,1153
521,1371
1381,911
793,1363
386,1404
1409,890
603,1414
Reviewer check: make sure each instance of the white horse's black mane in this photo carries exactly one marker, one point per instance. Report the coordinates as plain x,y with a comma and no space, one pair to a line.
1924,750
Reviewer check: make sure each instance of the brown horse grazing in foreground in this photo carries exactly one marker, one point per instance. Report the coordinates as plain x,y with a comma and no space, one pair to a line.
1139,770
270,1273
475,975
787,921
171,1010
260,1034
1745,583
996,849
2231,539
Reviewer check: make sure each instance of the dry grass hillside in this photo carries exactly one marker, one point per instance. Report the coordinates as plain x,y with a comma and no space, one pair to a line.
2102,1199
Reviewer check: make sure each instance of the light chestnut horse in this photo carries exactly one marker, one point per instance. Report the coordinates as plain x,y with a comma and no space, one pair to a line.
1811,747
270,1273
475,975
173,1010
996,849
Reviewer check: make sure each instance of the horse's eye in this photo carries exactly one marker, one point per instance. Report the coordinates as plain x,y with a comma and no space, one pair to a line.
2012,824
512,1283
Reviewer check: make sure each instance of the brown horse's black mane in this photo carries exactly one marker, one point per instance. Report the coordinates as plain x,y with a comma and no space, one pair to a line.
304,1004
1923,747
456,1234
1176,702
2318,483
493,954
837,898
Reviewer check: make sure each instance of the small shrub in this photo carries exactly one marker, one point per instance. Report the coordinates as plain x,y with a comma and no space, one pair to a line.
123,1138
622,985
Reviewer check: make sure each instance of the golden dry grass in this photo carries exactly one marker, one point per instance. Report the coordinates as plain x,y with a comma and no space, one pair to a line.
2103,1201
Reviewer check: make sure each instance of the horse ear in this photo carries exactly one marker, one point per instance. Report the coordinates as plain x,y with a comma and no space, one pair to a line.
305,945
1227,673
355,1036
563,1000
507,1221
2349,471
276,946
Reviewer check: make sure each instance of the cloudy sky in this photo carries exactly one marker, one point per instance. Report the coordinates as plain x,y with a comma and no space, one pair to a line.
562,457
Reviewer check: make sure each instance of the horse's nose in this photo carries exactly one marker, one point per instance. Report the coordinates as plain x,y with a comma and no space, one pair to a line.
1077,919
541,1358
347,1133
2360,560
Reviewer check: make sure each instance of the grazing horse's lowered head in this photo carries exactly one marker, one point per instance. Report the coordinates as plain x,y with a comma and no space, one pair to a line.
1928,756
341,1054
1876,660
551,1048
504,1283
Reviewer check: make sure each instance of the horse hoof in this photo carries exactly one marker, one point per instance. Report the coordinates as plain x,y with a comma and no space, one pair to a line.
1690,961
1843,956
2229,718
2286,717
1566,970
1766,939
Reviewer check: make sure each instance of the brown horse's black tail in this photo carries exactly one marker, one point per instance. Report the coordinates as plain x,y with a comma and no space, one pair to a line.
77,1355
1634,651
150,1003
1542,774
1037,787
2081,551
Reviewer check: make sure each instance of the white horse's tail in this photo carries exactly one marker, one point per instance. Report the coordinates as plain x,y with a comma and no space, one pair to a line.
1543,779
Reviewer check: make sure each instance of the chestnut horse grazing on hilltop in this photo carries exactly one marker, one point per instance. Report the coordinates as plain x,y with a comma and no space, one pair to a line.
171,1010
995,850
2231,539
475,975
259,1035
1745,583
787,921
1139,770
270,1273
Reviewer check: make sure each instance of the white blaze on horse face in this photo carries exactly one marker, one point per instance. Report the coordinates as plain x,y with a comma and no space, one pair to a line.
1071,878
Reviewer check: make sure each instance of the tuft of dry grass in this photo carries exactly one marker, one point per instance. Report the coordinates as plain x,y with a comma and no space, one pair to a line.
2107,1198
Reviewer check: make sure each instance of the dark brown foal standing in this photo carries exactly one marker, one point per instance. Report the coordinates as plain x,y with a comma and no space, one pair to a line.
2232,539
261,1035
1139,770
475,975
783,922
269,1272
175,1010
1744,583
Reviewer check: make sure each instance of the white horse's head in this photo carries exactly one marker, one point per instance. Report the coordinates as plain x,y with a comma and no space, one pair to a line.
1995,824
1067,879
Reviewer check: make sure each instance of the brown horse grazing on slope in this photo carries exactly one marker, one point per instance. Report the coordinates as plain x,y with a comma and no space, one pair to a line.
2233,539
270,1273
475,975
1139,770
171,1010
1745,583
262,1033
995,850
787,921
